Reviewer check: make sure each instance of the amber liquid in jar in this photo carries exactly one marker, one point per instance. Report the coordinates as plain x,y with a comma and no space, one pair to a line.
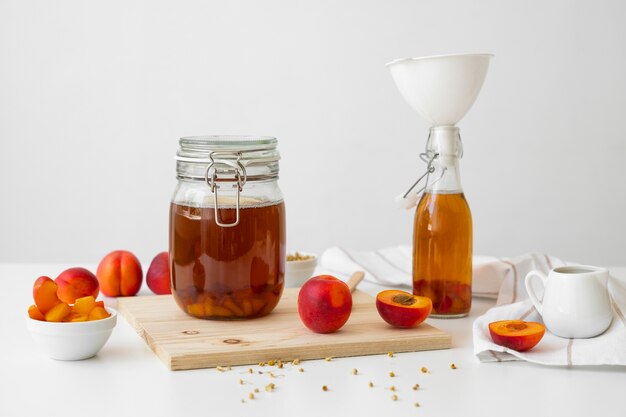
227,273
442,253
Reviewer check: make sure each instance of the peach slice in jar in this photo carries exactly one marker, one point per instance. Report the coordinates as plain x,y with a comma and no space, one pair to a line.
518,335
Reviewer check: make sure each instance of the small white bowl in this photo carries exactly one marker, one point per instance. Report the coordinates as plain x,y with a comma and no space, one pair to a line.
72,341
298,272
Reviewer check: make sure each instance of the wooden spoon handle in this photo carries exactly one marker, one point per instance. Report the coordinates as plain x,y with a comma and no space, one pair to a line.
355,279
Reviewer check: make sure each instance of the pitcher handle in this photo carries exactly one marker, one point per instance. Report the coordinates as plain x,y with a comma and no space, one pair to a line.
531,292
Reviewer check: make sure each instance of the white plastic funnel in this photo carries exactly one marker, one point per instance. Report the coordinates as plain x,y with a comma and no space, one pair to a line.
441,88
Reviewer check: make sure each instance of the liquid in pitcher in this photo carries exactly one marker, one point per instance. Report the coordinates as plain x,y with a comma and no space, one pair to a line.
227,273
442,253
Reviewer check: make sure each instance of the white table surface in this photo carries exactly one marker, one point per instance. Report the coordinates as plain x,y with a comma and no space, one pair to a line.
127,379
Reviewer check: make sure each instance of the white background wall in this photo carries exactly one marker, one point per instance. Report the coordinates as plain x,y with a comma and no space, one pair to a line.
94,95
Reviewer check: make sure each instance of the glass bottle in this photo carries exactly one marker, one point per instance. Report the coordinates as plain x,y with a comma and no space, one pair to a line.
442,240
227,228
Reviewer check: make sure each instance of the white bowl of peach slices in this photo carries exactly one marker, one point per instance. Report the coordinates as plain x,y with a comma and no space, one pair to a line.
66,320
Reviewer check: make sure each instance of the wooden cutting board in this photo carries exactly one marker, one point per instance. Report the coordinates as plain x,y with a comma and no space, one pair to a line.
184,342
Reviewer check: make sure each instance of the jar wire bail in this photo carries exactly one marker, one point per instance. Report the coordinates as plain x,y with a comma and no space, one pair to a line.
240,177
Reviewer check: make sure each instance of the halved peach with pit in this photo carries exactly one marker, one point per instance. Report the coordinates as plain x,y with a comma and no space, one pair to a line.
518,335
403,309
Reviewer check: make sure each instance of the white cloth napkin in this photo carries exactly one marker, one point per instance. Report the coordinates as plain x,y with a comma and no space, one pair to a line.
502,279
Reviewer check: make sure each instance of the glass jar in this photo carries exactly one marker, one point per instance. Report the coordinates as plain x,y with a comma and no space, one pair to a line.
227,227
442,240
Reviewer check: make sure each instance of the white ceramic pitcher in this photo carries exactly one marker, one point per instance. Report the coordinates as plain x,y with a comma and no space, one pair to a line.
576,300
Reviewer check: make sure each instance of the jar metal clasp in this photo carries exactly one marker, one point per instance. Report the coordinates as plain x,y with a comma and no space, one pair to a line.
239,177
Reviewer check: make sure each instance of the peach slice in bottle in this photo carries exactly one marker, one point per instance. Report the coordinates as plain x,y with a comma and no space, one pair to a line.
403,309
516,334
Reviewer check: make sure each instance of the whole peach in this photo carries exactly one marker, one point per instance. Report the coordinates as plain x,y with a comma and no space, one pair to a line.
324,304
119,274
158,275
76,283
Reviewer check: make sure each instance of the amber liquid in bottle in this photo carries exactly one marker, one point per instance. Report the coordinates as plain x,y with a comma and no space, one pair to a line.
227,273
442,253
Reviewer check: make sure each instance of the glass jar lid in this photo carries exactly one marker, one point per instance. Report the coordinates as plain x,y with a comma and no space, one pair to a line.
257,155
226,164
194,146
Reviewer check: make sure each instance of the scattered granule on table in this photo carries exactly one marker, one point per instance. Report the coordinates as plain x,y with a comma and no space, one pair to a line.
324,388
425,370
296,362
301,370
453,366
416,404
390,354
392,374
328,359
394,397
371,384
270,387
416,387
355,371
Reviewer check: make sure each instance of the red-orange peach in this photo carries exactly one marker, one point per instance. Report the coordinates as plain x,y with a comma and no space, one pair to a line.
324,304
119,274
158,275
45,294
76,283
402,309
516,334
